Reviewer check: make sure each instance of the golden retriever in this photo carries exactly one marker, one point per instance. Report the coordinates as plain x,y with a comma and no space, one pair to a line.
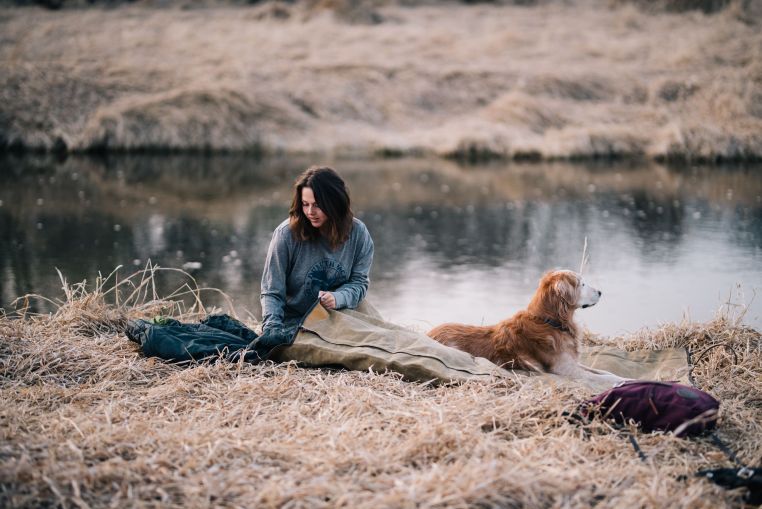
543,337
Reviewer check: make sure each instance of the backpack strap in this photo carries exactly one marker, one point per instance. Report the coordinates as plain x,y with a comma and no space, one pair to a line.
739,477
701,356
636,446
731,478
725,449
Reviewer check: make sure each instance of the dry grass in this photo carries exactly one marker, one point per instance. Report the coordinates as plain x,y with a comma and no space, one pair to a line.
88,422
572,79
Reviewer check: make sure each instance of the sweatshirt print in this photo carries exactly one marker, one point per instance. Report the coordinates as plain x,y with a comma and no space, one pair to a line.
295,271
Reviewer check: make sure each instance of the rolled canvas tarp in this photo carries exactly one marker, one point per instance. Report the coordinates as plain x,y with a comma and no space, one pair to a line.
668,364
361,340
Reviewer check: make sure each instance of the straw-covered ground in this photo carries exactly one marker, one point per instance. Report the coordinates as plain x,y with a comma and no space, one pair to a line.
87,421
667,79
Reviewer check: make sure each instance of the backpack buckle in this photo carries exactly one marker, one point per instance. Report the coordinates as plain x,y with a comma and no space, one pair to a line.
745,473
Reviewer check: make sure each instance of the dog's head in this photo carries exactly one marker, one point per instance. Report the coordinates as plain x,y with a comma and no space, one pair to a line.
562,291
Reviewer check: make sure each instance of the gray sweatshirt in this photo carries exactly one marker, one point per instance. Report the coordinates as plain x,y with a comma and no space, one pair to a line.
295,271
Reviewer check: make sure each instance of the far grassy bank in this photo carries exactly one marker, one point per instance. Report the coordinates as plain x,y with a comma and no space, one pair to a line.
571,80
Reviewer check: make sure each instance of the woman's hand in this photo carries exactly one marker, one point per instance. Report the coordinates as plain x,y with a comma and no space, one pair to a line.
327,300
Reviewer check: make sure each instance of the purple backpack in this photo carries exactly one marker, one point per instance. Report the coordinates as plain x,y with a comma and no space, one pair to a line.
669,406
656,406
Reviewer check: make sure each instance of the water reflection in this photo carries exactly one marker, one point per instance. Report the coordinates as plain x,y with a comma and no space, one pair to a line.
463,243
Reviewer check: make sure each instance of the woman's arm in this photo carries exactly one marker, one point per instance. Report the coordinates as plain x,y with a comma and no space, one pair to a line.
273,294
349,294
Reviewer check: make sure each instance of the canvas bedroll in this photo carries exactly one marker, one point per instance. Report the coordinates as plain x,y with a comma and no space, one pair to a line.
361,340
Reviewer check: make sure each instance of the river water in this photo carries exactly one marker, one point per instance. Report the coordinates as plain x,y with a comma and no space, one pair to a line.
453,242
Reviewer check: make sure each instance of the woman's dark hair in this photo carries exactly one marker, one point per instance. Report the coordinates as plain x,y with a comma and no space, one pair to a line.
332,196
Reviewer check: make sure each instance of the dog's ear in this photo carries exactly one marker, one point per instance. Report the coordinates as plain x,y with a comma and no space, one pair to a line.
566,290
556,296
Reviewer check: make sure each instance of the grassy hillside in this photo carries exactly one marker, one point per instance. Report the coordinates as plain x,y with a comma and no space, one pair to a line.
576,79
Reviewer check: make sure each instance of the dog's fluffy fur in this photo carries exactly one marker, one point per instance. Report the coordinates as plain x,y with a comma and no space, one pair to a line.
542,337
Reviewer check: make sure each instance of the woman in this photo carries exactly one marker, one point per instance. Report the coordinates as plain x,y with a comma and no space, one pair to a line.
320,252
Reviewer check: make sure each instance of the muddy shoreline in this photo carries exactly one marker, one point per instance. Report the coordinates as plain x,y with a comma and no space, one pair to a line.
582,80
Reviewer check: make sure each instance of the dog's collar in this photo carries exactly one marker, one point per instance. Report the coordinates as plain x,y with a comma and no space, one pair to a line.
556,324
